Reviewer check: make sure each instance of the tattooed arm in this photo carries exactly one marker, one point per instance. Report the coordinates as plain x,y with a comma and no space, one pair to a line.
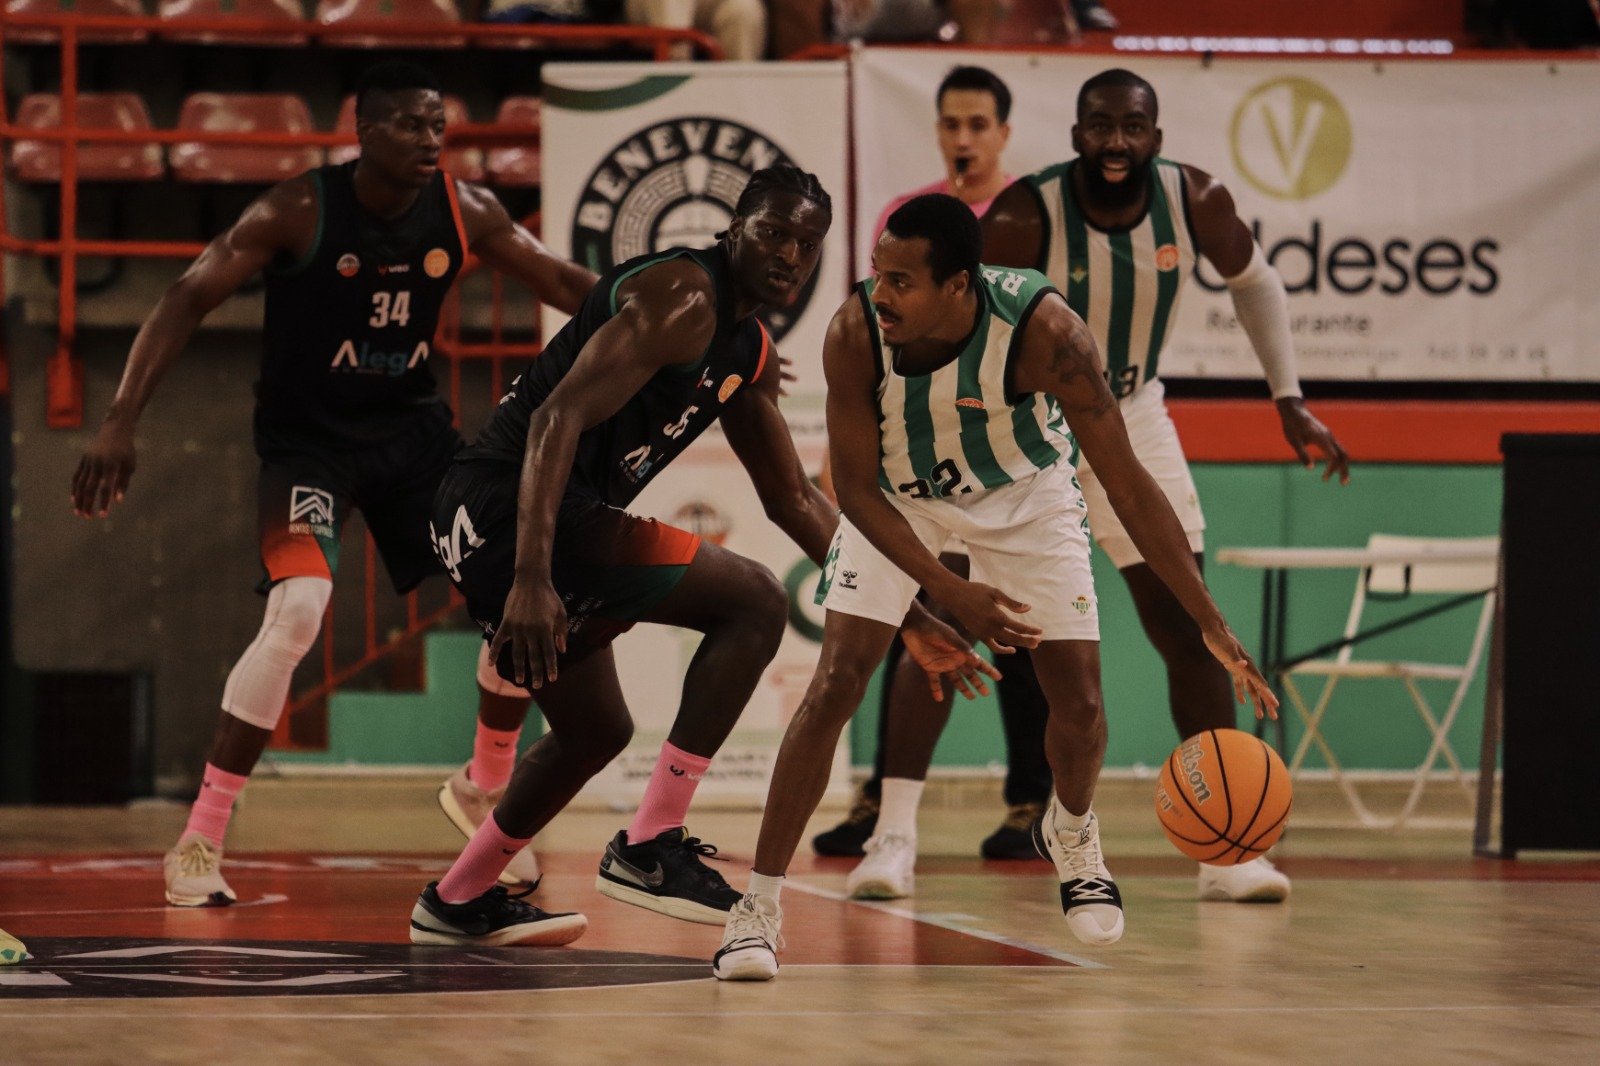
1059,357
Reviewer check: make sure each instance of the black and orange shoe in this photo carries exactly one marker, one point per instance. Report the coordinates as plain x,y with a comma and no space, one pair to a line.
849,838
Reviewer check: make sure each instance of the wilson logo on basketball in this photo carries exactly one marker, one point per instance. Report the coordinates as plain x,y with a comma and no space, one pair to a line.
972,402
1167,257
348,265
1189,758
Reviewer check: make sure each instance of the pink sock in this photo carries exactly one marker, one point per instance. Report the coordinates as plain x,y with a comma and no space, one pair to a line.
214,805
667,796
494,755
479,865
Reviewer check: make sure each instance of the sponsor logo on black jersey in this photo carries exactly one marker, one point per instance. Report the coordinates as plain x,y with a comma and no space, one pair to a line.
363,358
674,184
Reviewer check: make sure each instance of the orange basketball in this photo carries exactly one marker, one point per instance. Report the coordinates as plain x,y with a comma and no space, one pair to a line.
1223,797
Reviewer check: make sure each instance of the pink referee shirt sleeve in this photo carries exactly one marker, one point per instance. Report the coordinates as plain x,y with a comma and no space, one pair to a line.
938,186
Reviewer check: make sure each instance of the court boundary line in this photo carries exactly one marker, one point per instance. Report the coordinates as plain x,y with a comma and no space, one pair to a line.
946,922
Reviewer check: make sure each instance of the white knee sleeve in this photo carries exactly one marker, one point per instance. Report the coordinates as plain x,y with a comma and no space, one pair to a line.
259,684
491,682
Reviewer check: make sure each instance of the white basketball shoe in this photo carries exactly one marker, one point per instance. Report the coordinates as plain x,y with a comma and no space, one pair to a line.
888,871
1089,897
1256,881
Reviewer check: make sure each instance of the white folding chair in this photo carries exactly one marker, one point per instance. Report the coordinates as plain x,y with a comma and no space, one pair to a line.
1391,580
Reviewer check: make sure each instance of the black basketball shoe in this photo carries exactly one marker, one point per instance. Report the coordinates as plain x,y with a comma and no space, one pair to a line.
666,875
849,838
494,919
1014,838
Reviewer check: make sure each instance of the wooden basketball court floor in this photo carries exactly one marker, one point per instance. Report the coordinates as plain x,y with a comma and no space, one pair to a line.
1395,948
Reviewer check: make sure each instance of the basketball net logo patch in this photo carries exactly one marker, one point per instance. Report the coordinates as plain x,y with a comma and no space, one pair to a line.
1167,257
310,511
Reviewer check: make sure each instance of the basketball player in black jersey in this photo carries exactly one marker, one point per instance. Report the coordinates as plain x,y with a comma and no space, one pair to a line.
357,260
530,523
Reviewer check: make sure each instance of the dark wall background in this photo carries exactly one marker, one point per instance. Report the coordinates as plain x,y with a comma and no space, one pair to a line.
163,584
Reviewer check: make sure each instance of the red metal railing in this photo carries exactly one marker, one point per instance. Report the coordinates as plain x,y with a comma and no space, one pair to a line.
64,378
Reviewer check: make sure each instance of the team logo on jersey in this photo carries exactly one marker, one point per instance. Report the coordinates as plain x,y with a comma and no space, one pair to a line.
730,385
1291,138
436,264
348,265
1078,272
1167,257
972,402
1081,605
674,184
310,511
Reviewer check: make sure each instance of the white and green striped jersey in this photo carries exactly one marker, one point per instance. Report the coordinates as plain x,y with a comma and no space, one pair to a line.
960,429
1123,283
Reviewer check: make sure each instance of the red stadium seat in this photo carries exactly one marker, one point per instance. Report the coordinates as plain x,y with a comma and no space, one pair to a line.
243,112
464,163
102,8
261,10
517,167
41,160
438,13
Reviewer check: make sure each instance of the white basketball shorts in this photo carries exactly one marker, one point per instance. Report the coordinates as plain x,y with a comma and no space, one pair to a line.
1155,443
1029,539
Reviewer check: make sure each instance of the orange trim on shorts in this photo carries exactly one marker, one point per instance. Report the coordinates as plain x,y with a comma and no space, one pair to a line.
287,555
766,346
658,544
455,213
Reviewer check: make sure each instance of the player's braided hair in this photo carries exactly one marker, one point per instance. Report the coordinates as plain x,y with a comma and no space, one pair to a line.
784,177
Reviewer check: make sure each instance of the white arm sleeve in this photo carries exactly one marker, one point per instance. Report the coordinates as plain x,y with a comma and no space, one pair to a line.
1262,304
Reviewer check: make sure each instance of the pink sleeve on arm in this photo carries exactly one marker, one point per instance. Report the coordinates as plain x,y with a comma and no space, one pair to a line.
883,220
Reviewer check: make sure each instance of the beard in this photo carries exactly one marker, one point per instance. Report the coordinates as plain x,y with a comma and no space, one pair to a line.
1115,194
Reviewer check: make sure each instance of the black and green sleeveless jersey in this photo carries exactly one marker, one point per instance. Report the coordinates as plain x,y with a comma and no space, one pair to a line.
1124,283
961,428
618,457
348,329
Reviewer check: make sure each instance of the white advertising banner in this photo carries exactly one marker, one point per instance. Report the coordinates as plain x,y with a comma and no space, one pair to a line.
644,156
1432,220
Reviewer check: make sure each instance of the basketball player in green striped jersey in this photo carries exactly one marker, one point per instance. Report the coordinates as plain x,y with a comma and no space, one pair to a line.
957,395
1117,230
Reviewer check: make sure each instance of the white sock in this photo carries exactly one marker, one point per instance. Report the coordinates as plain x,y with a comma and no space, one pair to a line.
762,885
897,810
1069,821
